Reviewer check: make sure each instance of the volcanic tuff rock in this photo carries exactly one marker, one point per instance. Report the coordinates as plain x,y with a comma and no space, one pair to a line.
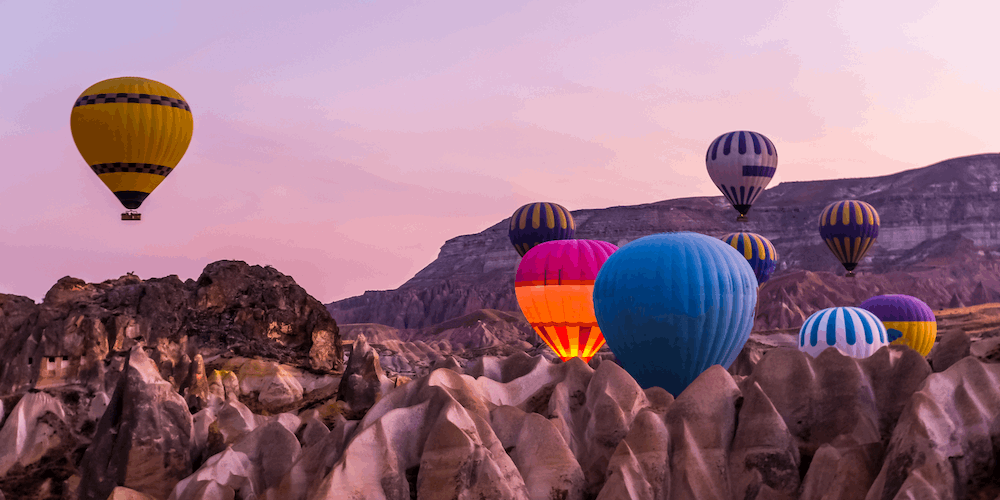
143,440
80,327
524,427
941,222
778,424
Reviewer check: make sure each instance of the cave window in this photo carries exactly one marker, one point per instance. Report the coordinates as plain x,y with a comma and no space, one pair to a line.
52,359
29,361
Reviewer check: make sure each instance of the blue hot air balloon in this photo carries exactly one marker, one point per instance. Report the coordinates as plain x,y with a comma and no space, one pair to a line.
536,223
671,305
852,330
758,251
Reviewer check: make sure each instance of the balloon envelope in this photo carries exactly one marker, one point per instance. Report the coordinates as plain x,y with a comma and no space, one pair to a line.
852,330
741,164
554,287
849,228
132,132
908,320
757,250
673,304
536,223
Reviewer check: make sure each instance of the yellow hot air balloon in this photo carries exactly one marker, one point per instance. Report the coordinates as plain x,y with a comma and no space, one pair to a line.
132,132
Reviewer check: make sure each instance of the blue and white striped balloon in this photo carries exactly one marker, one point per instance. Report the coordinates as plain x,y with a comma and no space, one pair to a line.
853,331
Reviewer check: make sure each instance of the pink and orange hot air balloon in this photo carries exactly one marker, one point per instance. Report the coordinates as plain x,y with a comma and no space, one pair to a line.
555,286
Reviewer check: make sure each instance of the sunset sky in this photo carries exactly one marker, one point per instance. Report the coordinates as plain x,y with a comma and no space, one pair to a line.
344,142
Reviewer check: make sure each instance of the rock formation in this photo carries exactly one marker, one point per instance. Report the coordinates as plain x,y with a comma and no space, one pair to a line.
777,424
231,308
143,440
523,427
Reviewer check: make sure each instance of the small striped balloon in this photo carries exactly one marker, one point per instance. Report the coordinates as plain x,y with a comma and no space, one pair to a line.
849,228
539,222
741,164
758,251
853,331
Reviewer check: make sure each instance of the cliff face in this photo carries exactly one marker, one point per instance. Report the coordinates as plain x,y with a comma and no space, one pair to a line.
939,205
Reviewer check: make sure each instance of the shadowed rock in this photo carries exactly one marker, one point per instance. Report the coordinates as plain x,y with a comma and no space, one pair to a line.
250,467
947,440
763,451
36,425
143,441
363,382
952,347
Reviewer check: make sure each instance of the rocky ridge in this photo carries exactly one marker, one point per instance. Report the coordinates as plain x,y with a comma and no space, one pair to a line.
939,233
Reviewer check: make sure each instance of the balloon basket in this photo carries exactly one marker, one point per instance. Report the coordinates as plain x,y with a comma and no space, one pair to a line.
741,218
850,274
130,215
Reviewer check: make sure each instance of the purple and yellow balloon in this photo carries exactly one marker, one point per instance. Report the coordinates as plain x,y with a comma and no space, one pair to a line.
849,228
908,320
539,222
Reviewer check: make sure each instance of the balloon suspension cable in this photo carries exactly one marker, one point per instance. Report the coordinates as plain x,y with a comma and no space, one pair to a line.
741,218
131,215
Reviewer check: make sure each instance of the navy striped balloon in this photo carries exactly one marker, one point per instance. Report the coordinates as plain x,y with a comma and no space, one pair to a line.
758,251
853,331
741,164
849,228
539,222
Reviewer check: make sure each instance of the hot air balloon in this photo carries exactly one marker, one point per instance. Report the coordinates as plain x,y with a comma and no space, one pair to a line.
673,304
908,320
536,223
741,164
853,331
849,229
758,251
132,132
554,287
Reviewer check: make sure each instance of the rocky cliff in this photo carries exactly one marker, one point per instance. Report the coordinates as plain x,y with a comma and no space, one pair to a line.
80,330
927,214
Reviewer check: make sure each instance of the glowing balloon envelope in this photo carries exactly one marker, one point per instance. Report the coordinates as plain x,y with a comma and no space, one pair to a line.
849,228
757,250
536,223
132,132
853,331
673,304
554,287
741,164
908,320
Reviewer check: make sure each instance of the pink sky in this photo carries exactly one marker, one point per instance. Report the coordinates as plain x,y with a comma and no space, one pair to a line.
344,142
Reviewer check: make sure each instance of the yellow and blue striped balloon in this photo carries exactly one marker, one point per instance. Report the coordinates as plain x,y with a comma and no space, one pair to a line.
539,222
758,251
849,228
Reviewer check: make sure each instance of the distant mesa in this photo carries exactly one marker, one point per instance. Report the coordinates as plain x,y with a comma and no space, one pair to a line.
938,240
